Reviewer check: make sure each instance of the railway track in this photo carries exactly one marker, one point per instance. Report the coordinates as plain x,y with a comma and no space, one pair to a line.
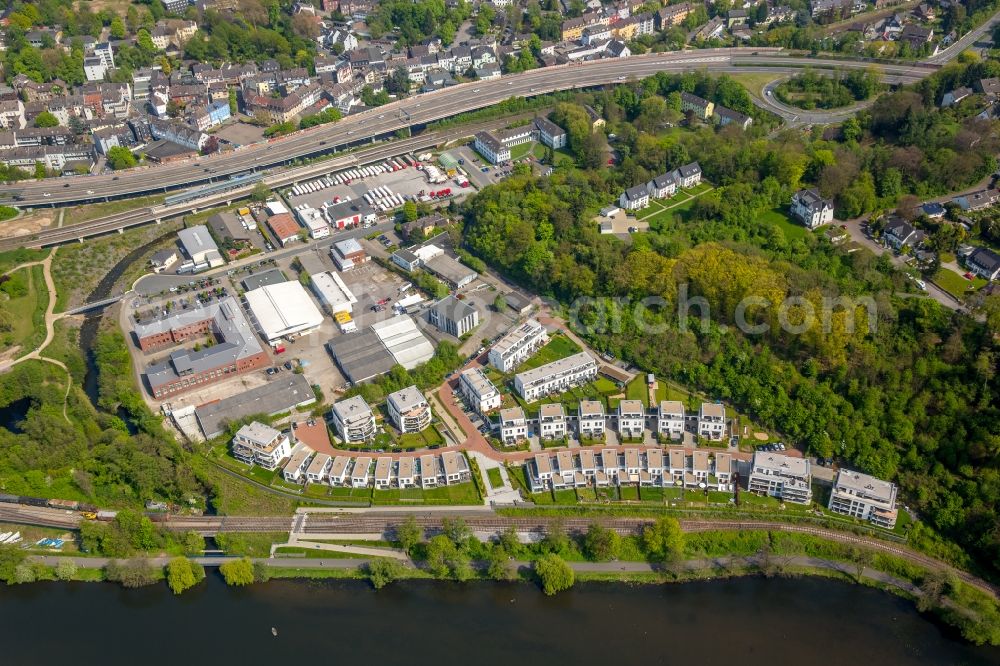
479,521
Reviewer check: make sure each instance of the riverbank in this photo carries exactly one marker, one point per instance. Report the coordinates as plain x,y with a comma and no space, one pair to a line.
759,621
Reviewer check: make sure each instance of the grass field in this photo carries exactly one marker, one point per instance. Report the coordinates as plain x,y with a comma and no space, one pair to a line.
955,284
791,230
26,314
496,480
559,346
88,212
420,440
462,493
522,150
755,82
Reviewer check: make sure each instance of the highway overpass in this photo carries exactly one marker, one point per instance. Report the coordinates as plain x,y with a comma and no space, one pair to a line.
420,110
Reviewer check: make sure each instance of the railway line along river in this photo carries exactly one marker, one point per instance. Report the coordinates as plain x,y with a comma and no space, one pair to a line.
748,621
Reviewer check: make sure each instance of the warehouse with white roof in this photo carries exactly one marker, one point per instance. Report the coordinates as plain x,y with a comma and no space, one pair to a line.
283,311
332,292
198,245
404,341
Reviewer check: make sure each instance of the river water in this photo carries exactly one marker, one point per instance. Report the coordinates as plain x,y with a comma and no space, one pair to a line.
747,621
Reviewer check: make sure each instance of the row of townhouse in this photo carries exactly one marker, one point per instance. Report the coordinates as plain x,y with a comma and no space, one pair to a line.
630,466
661,187
517,345
261,445
556,377
669,420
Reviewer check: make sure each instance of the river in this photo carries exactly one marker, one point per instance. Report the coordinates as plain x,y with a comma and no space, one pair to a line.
747,621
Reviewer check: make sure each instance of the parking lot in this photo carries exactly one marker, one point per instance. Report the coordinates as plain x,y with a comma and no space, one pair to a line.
474,165
406,182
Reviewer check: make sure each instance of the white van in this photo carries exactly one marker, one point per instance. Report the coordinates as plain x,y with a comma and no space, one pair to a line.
405,287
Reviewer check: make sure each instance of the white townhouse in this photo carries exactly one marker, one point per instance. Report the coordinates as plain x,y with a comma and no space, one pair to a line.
552,421
591,419
480,393
631,419
712,421
670,419
513,426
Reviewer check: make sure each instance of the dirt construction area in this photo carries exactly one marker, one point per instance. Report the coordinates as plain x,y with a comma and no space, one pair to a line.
25,225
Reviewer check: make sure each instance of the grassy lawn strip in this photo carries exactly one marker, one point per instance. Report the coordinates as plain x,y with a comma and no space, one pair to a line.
955,284
496,481
522,150
791,230
559,346
27,313
88,212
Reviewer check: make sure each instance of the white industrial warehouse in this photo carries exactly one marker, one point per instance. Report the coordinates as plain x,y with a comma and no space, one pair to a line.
283,310
332,292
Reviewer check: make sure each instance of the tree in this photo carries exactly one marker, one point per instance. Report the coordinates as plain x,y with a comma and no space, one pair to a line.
118,27
183,574
409,533
233,106
500,303
664,540
10,558
554,574
410,212
120,157
499,565
600,543
382,571
131,574
24,573
40,171
456,530
66,569
260,193
237,572
46,119
862,558
556,540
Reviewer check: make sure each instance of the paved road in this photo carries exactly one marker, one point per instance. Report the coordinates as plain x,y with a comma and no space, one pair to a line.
425,108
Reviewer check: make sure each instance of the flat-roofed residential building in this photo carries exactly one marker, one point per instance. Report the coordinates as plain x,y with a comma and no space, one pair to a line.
723,471
865,497
361,472
781,476
631,419
456,468
540,469
430,471
319,468
555,377
513,426
409,409
569,476
610,464
678,465
337,474
632,466
552,421
712,421
354,419
260,444
654,466
591,419
383,472
517,345
700,468
294,470
481,394
406,473
670,419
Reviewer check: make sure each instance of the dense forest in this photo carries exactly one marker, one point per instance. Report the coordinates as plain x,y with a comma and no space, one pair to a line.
911,395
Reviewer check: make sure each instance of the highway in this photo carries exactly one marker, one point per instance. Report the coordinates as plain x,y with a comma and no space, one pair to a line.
147,214
422,109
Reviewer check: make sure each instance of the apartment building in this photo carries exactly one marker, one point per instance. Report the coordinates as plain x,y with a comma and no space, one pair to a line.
557,376
354,420
781,476
513,426
811,209
864,497
552,421
631,419
478,390
591,419
712,421
670,419
260,444
517,345
409,409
